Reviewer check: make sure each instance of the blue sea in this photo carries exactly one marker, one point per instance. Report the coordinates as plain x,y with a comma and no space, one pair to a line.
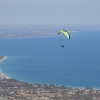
43,60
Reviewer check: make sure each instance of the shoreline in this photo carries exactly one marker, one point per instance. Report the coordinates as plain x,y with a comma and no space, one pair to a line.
2,58
2,75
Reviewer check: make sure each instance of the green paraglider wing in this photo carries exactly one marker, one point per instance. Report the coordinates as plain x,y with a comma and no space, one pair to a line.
65,33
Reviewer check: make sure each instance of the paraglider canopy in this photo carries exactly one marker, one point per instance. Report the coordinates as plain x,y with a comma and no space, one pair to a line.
65,33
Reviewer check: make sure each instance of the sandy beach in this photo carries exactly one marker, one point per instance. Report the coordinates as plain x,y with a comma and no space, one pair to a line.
2,75
2,58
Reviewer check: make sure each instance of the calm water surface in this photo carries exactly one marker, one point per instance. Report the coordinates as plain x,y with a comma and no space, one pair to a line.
43,60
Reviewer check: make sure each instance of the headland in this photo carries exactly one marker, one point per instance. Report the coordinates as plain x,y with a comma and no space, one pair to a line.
2,75
2,58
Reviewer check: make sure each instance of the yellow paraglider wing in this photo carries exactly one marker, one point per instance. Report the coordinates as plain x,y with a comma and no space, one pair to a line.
65,33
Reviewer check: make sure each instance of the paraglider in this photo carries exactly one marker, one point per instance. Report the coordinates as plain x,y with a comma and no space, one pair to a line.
65,33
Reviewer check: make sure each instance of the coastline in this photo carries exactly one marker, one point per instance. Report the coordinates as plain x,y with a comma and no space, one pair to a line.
2,58
2,75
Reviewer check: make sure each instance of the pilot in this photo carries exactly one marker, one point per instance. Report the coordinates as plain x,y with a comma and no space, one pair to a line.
62,46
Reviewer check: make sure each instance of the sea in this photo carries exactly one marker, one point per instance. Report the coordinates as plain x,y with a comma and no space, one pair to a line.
43,60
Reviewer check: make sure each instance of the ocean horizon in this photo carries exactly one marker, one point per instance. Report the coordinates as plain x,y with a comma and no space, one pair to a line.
43,60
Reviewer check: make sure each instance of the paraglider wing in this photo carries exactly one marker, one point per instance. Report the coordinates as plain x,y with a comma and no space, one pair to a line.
65,33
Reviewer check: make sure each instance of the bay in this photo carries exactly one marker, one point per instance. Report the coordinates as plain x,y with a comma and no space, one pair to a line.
43,60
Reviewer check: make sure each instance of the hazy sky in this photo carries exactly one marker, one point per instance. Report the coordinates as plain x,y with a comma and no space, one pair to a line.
41,12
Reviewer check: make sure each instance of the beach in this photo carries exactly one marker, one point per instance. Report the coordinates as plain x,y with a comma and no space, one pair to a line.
2,58
2,75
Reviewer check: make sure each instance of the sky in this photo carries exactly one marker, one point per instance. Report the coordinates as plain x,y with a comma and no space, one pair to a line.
50,12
